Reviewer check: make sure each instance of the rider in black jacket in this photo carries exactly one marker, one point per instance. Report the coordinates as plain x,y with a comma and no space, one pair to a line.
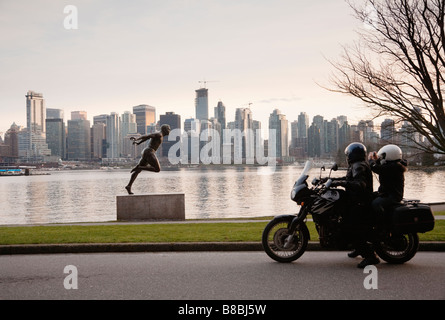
390,167
358,184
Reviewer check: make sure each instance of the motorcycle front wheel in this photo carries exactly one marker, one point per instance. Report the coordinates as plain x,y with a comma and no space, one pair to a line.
274,239
397,248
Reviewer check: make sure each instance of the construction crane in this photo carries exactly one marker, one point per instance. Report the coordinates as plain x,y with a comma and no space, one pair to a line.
205,82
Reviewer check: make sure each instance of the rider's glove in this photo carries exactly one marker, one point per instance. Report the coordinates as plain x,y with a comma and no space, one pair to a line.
338,183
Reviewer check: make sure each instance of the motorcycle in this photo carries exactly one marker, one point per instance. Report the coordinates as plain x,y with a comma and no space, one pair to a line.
395,239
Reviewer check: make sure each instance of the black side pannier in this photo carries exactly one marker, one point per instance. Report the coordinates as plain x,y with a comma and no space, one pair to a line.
413,218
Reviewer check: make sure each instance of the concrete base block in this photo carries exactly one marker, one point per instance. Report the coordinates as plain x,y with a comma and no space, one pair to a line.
156,206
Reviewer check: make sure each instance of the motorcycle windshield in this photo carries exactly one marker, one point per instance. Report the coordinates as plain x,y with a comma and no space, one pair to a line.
305,173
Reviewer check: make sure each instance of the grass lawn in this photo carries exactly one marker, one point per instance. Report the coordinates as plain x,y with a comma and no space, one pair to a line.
169,232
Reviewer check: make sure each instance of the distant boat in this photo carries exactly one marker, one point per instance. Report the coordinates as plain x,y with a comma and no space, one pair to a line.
11,172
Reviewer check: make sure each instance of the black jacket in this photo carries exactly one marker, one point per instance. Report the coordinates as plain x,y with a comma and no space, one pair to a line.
391,177
358,182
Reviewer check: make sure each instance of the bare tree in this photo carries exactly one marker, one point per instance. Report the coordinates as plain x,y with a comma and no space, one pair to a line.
397,66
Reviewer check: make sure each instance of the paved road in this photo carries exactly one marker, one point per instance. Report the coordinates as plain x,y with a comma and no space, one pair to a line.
216,275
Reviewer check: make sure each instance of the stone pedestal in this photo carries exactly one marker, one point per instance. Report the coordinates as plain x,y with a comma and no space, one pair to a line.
156,206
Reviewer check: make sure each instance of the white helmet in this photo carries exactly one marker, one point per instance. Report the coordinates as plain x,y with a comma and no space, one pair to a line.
390,152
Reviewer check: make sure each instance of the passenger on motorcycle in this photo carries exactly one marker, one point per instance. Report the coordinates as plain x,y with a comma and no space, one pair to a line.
358,185
390,167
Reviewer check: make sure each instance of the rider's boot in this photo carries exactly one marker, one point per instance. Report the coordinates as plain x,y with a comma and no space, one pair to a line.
353,254
368,260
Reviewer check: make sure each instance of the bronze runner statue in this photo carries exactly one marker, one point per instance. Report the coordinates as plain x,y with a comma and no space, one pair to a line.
148,161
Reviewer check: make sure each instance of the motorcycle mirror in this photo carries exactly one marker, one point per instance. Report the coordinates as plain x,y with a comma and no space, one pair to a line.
322,169
333,168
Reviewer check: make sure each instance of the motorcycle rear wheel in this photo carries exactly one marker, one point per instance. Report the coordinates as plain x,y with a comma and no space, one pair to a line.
276,232
397,248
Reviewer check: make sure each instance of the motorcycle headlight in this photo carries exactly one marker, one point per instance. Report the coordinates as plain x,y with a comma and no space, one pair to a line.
295,190
293,193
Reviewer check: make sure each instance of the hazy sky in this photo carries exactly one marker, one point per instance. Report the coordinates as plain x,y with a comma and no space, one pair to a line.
269,53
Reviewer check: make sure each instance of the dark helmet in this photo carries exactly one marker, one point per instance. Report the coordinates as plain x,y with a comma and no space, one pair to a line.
355,152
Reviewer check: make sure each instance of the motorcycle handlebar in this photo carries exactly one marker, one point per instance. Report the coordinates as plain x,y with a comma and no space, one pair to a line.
328,183
319,182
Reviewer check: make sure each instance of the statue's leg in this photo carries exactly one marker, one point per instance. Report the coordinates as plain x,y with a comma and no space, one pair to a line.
133,177
135,172
153,163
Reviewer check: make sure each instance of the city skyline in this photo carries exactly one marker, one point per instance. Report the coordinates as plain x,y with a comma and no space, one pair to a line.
271,55
108,136
155,116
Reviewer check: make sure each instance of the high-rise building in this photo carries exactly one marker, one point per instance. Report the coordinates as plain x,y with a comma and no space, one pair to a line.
331,137
220,114
407,137
99,140
192,127
257,137
128,127
11,139
128,123
37,149
215,125
417,137
298,147
78,139
154,127
342,120
387,131
113,136
79,115
314,141
344,135
243,119
99,136
192,124
102,118
145,116
9,151
56,137
23,140
294,133
278,122
303,125
35,112
56,132
366,127
202,104
174,121
316,137
54,113
244,122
